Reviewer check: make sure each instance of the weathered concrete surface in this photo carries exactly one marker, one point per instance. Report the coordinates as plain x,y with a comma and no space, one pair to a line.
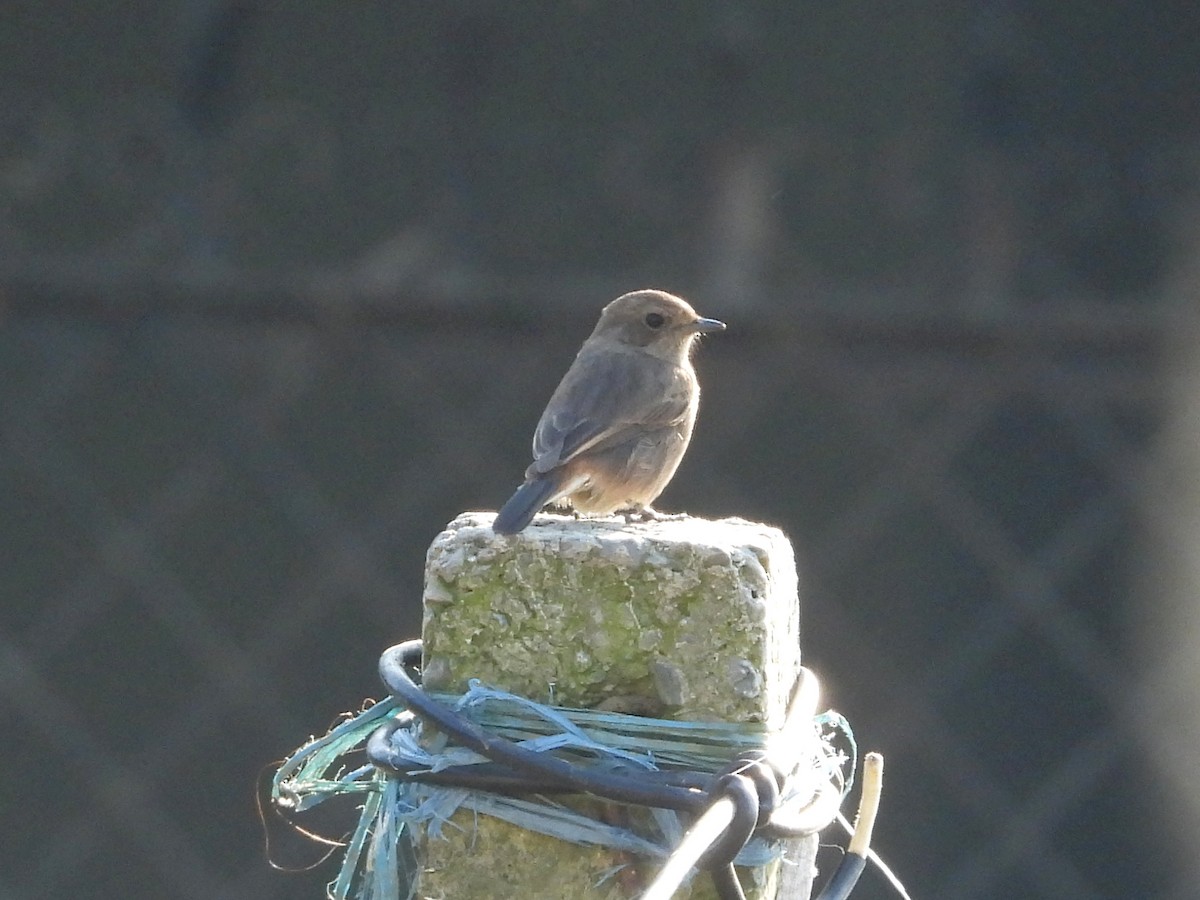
688,619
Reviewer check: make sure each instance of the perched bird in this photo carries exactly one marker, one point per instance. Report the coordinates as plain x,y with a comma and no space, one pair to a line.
619,422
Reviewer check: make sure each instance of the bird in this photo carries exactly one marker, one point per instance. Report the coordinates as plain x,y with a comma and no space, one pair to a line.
617,425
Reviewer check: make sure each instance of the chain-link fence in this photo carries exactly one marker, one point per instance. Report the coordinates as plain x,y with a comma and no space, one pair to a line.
284,291
215,527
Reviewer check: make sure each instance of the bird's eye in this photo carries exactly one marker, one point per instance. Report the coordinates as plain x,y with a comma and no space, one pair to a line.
655,320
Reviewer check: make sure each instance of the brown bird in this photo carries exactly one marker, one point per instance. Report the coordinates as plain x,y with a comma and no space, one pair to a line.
619,422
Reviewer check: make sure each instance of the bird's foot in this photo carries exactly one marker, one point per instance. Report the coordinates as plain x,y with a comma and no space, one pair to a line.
563,508
650,514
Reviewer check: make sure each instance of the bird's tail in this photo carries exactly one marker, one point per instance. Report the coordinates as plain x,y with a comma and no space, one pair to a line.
525,504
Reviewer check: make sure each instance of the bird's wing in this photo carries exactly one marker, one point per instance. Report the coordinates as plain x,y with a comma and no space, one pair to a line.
601,399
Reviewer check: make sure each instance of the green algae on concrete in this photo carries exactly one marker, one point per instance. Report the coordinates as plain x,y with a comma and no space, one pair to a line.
687,619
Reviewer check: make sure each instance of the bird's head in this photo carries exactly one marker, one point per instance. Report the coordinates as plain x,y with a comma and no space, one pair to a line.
661,323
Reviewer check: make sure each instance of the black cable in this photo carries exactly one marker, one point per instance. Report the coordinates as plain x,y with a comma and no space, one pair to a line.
756,765
844,878
726,882
847,874
542,766
740,790
494,777
751,783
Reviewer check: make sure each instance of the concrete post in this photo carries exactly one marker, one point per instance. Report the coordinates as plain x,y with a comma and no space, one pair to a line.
688,619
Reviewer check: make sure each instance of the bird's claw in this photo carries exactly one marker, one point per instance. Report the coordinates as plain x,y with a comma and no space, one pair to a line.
649,514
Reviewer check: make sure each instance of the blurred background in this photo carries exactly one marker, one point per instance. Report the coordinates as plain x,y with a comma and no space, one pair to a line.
285,287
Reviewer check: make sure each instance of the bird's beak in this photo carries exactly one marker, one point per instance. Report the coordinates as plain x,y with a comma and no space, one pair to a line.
704,326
